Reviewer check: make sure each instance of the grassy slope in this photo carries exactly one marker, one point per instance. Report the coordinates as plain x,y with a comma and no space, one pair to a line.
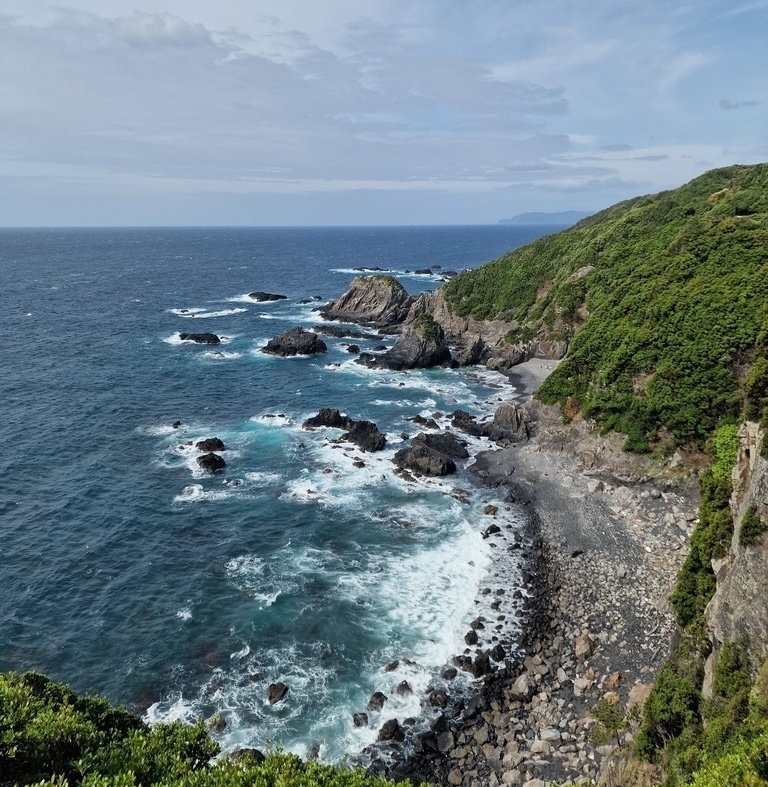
665,318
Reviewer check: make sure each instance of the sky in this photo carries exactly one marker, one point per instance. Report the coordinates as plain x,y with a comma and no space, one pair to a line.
366,112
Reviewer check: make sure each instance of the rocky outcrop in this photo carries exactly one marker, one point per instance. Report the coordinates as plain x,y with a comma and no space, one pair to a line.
211,462
422,345
342,332
297,341
200,338
276,693
379,301
210,444
431,454
329,418
738,609
263,297
365,435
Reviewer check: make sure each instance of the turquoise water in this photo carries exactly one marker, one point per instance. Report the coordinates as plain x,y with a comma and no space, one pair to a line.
127,571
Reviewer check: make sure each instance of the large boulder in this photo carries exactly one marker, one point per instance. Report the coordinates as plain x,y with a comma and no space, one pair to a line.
210,444
200,338
297,341
391,731
379,301
276,692
420,346
511,424
431,454
366,435
262,297
211,462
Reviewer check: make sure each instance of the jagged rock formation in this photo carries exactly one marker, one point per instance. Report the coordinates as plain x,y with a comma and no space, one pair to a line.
431,454
200,338
378,301
738,608
421,346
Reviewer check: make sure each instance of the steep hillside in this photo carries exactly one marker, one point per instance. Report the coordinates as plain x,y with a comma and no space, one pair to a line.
660,300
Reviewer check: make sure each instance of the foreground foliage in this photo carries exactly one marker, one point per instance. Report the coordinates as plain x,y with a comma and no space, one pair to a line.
51,736
662,298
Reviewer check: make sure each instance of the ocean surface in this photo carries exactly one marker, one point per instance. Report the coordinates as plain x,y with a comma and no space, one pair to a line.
127,571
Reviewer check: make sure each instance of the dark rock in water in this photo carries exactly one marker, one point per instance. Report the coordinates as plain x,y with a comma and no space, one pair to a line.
210,444
498,653
471,637
211,462
276,692
464,663
313,299
379,348
377,700
358,463
327,417
491,530
440,724
431,454
421,345
481,665
427,423
403,689
176,424
466,422
247,756
392,666
449,673
380,301
438,699
478,624
366,435
491,510
297,341
261,297
218,723
360,719
200,338
353,348
342,332
424,271
367,270
391,731
314,753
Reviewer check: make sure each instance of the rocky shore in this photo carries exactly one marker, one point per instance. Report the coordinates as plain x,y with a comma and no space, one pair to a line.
608,533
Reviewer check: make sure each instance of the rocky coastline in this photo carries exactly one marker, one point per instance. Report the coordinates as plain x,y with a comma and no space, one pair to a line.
605,537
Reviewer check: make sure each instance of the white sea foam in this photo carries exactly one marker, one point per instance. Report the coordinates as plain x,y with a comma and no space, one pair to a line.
185,613
176,340
221,355
203,314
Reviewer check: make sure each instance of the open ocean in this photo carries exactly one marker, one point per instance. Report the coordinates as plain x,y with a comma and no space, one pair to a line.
127,571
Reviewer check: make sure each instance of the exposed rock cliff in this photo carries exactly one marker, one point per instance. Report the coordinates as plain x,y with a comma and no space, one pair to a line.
379,301
738,608
421,346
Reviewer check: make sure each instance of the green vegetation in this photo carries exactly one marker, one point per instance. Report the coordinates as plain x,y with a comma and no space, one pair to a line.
663,299
51,736
752,528
427,328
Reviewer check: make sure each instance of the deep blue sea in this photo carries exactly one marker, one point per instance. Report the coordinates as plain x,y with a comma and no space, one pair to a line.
127,571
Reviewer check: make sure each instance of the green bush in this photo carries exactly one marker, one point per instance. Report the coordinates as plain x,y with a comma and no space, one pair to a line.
51,736
752,528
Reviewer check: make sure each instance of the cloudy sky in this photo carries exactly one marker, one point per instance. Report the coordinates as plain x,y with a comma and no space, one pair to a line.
303,112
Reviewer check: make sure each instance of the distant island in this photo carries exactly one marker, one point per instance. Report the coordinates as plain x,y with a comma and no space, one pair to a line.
562,218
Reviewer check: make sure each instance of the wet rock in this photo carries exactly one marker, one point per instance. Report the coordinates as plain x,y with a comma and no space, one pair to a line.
466,423
438,699
391,731
471,637
431,454
366,435
211,462
377,700
403,689
200,338
327,417
276,692
297,341
421,345
263,297
360,719
353,349
210,444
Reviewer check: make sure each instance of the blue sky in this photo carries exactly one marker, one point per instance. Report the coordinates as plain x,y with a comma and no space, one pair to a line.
189,112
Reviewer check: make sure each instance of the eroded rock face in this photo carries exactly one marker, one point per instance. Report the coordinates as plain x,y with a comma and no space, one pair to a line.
421,345
431,454
200,338
379,301
297,341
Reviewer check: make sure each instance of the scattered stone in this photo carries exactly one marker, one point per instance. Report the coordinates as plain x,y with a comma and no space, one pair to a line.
360,719
583,647
263,297
391,731
276,692
377,700
210,444
200,338
491,510
211,462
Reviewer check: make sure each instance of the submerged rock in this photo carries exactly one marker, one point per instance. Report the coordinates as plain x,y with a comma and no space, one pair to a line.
297,341
200,338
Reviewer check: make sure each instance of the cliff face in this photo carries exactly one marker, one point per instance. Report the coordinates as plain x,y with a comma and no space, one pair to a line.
378,301
739,607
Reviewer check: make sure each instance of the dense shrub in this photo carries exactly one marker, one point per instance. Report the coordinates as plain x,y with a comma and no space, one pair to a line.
752,528
49,735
